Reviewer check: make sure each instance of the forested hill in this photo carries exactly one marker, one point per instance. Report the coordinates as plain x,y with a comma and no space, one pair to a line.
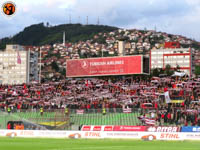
40,34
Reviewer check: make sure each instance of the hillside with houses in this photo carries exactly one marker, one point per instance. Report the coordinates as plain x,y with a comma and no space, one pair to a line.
102,43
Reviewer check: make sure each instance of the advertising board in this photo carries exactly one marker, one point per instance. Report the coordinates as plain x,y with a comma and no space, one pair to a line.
86,128
101,134
163,129
129,128
104,66
113,128
190,129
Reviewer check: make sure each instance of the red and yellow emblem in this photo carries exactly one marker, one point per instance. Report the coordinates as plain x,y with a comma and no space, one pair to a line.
9,8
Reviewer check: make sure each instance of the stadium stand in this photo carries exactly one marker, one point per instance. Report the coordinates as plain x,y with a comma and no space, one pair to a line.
127,101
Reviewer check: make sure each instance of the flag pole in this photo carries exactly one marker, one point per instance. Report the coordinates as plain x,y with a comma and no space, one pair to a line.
28,78
40,68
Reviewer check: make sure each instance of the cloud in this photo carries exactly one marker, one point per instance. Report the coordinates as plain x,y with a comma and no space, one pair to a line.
177,16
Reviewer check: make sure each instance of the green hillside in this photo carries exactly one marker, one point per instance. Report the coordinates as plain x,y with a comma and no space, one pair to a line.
40,34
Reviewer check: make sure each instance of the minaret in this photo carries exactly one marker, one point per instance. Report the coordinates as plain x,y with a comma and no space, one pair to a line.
98,21
155,28
64,38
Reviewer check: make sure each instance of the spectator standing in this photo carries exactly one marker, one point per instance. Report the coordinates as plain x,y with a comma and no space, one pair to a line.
9,110
41,111
8,126
104,111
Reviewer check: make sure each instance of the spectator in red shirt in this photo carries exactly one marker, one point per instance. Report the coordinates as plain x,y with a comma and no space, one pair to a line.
18,107
8,126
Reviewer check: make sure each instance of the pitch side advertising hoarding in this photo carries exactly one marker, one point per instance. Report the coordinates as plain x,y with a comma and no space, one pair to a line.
129,128
101,134
190,129
105,66
132,128
114,128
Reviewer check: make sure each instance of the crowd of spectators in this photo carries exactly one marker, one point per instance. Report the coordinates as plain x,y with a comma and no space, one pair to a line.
146,95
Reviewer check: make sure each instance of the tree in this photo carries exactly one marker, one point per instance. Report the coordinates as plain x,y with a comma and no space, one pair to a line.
63,72
47,24
40,34
178,67
155,72
54,66
168,70
197,70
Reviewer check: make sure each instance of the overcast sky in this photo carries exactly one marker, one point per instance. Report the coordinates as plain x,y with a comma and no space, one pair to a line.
172,16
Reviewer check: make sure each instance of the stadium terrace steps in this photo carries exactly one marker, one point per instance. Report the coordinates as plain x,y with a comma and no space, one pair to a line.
58,118
108,119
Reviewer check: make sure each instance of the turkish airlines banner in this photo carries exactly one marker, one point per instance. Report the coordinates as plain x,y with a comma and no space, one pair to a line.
104,66
129,128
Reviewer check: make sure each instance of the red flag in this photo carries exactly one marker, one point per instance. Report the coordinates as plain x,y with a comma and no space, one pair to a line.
165,89
38,92
150,122
174,86
86,83
147,121
18,58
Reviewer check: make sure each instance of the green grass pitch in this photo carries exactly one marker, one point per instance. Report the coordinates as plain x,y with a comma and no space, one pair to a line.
7,143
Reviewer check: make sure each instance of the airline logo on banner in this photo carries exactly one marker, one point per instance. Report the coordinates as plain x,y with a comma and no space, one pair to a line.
129,128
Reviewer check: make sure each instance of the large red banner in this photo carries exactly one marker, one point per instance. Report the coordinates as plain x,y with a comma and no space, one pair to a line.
113,128
129,128
104,66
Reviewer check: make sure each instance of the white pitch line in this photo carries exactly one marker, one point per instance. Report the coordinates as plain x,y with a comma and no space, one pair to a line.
102,147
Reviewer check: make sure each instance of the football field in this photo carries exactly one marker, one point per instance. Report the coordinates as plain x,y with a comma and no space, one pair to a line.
93,144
